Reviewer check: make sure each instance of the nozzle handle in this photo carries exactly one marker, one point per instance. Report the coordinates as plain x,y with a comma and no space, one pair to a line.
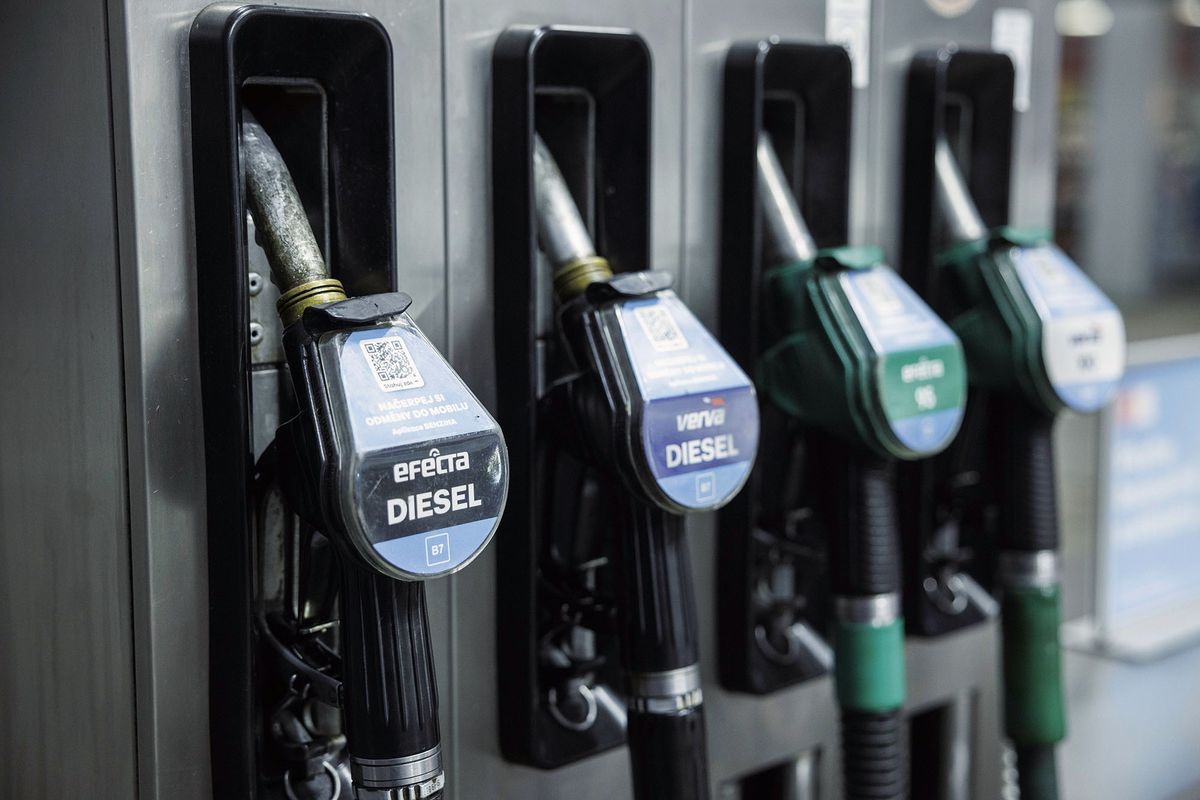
660,654
390,692
1029,507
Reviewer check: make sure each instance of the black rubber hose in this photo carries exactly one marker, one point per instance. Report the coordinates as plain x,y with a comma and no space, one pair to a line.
1037,772
390,701
1029,507
875,766
659,633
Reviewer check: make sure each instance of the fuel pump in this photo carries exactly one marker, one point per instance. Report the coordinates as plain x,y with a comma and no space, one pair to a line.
1042,338
394,460
875,376
667,414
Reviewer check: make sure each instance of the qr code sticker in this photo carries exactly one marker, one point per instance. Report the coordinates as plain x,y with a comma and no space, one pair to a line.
660,328
392,364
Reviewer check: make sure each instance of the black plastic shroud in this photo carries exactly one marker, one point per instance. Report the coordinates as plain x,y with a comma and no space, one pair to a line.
801,95
348,59
948,503
591,91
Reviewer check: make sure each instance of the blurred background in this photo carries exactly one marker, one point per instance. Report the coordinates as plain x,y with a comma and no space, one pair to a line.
1128,207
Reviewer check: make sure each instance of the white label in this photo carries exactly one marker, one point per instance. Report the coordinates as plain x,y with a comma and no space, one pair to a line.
1083,335
950,8
1088,349
1012,33
848,23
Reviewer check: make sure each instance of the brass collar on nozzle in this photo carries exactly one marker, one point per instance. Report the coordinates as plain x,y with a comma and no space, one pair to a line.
291,304
572,278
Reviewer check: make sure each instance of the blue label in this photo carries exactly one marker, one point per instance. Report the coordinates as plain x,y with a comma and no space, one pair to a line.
427,473
1083,333
699,425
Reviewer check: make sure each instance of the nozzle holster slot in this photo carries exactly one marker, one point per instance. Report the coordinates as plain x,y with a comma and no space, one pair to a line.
771,548
586,92
947,503
304,74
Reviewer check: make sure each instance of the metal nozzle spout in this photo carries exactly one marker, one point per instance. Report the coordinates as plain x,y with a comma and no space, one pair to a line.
954,198
561,233
297,266
788,237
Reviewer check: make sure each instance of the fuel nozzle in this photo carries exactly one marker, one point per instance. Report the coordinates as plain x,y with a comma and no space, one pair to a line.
402,504
893,388
561,232
297,266
647,364
1043,338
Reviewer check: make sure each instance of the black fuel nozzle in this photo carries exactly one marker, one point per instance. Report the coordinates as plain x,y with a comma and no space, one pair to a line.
395,460
673,440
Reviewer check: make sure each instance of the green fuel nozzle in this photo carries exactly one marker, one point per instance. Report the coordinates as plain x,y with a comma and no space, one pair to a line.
859,358
1044,338
1031,321
855,351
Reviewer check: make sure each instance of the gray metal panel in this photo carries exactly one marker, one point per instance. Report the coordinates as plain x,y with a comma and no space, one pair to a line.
901,29
713,26
149,55
66,651
777,727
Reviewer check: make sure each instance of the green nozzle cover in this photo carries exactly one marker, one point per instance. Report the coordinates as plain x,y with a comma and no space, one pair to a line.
856,353
869,665
1034,709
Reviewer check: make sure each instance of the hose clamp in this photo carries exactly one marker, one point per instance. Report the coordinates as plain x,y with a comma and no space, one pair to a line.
1029,569
405,778
420,791
876,610
672,691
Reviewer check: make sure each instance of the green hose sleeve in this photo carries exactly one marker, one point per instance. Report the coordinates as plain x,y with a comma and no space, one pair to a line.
1034,709
869,665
